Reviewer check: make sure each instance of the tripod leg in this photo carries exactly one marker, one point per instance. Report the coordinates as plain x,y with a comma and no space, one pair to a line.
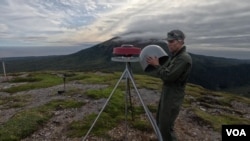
126,107
128,90
150,117
130,100
111,94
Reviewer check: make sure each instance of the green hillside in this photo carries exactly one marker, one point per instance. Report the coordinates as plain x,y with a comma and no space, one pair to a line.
210,72
30,101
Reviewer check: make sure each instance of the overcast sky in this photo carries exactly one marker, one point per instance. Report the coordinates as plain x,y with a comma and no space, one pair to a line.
32,27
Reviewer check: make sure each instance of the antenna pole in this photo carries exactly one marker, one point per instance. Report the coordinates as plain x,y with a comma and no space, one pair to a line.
4,71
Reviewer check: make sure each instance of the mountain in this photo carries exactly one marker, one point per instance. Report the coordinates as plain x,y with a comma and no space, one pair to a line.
210,72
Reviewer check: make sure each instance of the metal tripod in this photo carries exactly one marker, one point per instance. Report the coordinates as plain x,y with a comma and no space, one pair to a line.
127,73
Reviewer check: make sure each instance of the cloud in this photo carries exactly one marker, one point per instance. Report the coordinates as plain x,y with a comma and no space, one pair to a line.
3,28
212,23
64,22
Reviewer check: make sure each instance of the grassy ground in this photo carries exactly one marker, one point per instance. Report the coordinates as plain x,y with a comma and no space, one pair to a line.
25,122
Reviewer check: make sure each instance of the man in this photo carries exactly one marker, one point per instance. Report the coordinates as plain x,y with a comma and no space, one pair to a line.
174,74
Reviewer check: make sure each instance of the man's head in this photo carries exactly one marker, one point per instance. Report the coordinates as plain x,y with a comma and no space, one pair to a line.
175,35
175,40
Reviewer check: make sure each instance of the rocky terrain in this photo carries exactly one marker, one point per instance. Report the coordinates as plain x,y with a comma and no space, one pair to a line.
188,126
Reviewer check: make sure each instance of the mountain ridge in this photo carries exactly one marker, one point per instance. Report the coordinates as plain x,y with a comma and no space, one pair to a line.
214,73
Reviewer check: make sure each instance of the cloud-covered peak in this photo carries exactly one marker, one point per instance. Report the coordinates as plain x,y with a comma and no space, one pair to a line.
211,23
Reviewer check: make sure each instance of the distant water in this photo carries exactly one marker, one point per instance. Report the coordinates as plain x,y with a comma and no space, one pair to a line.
39,51
235,53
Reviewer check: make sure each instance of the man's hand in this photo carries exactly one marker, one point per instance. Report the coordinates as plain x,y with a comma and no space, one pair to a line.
154,61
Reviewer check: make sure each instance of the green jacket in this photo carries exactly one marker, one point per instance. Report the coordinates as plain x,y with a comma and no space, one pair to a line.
177,69
174,74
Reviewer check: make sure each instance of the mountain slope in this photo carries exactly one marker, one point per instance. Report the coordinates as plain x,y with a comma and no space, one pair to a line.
210,72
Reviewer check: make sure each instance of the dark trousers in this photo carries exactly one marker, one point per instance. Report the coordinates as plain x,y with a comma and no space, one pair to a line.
165,119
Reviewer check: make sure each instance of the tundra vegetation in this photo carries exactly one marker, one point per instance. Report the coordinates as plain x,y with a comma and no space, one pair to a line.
210,108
